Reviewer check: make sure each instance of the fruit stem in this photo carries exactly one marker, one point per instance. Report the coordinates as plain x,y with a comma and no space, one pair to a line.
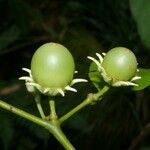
91,98
53,115
37,98
52,126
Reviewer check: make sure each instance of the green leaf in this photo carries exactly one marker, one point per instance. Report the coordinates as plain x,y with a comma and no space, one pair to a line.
141,13
144,81
95,76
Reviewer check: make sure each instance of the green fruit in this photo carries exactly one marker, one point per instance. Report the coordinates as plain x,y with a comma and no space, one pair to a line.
120,64
52,66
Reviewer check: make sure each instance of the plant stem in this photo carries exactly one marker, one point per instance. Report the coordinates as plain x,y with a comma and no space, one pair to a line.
53,115
39,106
102,91
52,126
22,113
61,137
89,100
73,111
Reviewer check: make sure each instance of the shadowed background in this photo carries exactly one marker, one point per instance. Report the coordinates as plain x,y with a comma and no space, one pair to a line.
84,27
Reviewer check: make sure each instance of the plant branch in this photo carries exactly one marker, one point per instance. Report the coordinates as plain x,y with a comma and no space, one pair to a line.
60,136
102,92
39,106
22,113
73,111
52,126
91,98
53,115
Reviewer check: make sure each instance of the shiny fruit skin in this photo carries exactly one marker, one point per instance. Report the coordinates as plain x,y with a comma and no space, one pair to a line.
52,66
120,64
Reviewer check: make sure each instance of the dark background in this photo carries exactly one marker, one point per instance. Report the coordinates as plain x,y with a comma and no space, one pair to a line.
84,27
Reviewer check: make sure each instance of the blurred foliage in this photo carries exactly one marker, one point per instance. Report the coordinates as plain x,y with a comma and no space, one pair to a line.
85,27
141,12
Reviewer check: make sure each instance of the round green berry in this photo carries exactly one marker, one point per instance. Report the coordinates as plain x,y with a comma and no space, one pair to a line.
120,64
52,66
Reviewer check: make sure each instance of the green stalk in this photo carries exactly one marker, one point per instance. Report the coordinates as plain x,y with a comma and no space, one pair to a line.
61,137
22,113
53,115
52,126
37,98
91,98
73,111
102,92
